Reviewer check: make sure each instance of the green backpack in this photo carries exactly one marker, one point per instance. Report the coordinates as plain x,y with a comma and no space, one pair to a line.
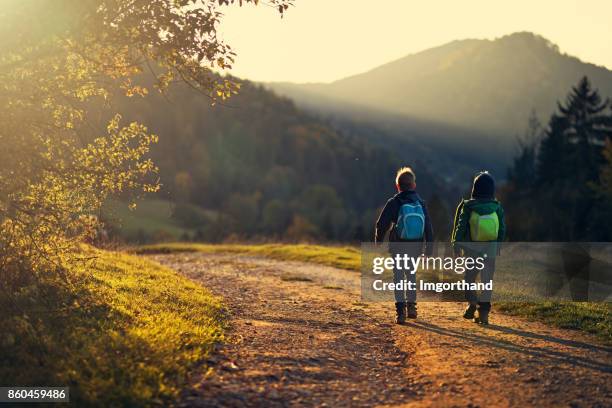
484,227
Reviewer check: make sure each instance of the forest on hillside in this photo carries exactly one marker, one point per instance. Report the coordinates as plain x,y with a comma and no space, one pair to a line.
257,166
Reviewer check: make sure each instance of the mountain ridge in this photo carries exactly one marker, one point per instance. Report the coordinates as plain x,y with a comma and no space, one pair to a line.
462,82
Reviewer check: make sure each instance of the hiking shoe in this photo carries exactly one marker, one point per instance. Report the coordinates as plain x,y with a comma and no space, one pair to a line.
400,309
483,317
469,312
412,311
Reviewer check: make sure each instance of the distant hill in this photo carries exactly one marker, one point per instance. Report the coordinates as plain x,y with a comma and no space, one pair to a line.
485,87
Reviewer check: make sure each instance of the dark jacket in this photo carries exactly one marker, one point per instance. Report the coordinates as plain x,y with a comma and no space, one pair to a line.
388,218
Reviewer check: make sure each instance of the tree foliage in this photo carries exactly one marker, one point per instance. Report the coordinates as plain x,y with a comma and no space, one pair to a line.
62,62
557,188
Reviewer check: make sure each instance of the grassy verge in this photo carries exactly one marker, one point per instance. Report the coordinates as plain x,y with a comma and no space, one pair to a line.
122,332
594,318
338,257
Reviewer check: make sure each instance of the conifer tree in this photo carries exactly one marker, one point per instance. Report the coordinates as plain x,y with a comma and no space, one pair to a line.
568,165
573,142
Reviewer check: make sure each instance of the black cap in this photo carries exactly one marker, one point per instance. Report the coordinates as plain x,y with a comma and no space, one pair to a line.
484,185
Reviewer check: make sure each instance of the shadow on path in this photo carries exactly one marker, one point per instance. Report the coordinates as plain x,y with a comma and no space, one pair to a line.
545,337
562,357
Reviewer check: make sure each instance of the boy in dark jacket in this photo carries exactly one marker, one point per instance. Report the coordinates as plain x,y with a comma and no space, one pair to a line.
407,216
478,230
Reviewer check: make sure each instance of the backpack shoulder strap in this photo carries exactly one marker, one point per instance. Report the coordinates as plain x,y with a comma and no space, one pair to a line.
458,212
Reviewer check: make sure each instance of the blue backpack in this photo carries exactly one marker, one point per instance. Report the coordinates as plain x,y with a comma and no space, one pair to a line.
410,223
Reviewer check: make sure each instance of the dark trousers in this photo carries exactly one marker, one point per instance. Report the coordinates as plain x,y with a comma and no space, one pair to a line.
486,275
403,296
413,250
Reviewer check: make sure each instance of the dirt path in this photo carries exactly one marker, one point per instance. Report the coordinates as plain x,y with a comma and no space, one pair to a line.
300,336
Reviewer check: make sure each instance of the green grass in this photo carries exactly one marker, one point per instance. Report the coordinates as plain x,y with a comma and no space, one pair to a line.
590,317
151,218
123,331
595,318
340,257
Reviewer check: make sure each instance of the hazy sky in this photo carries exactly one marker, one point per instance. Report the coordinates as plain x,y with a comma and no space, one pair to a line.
324,40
